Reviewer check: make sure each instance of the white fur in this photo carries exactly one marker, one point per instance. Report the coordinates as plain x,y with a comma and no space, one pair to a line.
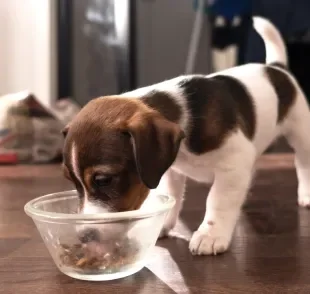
90,207
274,44
172,183
76,171
74,161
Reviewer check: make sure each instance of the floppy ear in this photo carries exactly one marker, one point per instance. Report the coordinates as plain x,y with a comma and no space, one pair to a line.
155,142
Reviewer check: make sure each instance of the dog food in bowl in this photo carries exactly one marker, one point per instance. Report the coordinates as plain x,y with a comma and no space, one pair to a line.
118,245
81,256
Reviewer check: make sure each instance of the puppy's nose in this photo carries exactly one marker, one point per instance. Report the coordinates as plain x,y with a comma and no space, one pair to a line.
89,235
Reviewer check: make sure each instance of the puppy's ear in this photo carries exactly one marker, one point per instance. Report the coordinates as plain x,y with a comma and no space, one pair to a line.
155,142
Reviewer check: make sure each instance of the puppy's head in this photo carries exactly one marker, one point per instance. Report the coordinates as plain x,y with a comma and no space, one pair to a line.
116,149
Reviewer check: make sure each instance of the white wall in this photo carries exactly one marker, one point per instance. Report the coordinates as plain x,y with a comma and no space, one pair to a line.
28,47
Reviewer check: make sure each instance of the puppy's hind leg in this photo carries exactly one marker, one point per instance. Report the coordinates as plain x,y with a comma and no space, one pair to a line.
296,129
173,184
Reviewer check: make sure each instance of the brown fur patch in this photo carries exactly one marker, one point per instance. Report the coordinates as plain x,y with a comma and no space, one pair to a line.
164,104
217,106
243,104
134,197
284,88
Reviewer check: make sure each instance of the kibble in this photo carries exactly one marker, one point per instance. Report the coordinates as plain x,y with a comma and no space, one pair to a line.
80,257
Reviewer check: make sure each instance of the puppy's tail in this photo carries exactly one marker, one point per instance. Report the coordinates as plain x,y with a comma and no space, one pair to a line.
274,45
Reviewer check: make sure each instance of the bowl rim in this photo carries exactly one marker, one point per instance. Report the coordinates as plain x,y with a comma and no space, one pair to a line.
41,215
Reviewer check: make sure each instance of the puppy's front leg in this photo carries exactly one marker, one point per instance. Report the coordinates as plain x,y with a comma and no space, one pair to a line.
223,206
172,183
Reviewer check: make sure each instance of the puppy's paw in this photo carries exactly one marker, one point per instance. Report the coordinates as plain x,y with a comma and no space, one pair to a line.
202,243
304,200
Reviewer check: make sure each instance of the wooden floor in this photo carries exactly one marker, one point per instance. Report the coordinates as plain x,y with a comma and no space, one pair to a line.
270,252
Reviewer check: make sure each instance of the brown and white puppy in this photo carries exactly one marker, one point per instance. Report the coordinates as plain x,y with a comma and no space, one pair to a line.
208,128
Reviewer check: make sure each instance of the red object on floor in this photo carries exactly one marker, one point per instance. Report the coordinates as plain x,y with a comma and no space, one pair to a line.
8,158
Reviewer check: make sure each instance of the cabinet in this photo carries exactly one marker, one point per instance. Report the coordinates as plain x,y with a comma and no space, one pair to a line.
118,45
163,32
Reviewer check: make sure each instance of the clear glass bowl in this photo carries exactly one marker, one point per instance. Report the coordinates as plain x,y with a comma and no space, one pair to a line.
128,236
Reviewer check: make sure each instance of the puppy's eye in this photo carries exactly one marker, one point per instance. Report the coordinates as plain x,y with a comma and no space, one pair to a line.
102,180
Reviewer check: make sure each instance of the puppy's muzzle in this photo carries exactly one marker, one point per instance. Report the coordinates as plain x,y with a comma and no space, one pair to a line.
102,232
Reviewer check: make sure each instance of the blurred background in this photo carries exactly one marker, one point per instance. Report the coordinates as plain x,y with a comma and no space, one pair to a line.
62,53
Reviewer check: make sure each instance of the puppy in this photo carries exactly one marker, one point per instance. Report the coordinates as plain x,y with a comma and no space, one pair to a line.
208,128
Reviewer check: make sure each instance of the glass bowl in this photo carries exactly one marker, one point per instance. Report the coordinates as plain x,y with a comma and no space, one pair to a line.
118,244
